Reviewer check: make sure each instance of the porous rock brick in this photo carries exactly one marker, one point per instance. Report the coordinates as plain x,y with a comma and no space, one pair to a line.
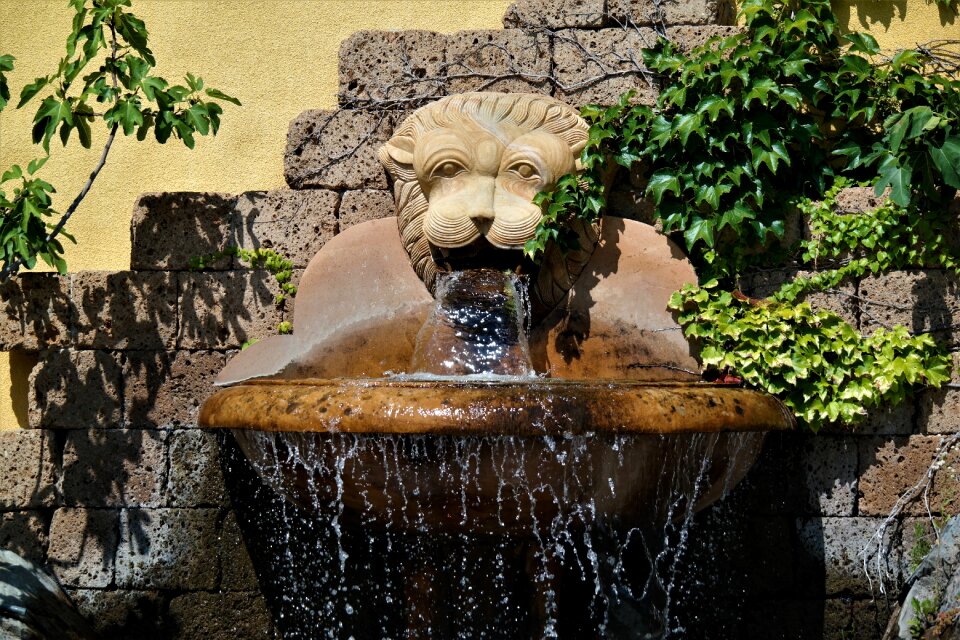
125,310
238,572
28,472
195,475
125,614
939,409
925,300
24,533
829,471
686,37
391,65
511,61
337,149
555,14
221,310
672,12
75,390
222,616
832,551
37,311
169,229
889,467
582,59
168,549
295,224
116,467
83,545
364,205
165,389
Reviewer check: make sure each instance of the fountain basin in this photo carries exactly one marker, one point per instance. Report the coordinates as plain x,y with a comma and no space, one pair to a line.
497,457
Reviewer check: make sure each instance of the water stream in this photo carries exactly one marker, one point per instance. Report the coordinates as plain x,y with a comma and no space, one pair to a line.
389,536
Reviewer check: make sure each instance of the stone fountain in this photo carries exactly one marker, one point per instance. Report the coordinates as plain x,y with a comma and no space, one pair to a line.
507,399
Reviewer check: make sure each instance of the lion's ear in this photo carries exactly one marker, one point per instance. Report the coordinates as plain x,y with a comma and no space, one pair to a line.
397,153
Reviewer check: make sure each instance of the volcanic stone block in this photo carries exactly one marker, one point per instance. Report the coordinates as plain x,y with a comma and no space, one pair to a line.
887,420
114,468
598,66
673,12
939,409
688,37
224,310
337,149
83,545
924,301
75,390
168,549
237,615
295,224
165,390
832,553
555,14
829,468
366,204
869,619
37,311
892,466
510,61
238,572
378,66
125,310
125,614
195,475
28,473
169,229
24,533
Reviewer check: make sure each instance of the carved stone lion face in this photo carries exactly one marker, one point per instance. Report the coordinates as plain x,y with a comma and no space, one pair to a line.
468,167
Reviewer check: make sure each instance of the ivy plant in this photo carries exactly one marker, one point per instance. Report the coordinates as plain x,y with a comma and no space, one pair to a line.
104,79
749,127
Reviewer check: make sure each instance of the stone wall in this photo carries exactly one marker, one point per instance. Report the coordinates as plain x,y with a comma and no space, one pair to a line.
115,489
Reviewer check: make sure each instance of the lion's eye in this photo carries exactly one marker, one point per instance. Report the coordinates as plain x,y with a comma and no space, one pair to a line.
447,169
524,169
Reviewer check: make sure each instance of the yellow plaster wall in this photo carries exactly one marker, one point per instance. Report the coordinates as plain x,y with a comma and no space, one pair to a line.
280,58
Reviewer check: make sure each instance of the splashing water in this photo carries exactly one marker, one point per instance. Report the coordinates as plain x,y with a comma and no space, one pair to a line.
417,536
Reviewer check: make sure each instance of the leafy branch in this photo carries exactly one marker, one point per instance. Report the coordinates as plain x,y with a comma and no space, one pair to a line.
121,92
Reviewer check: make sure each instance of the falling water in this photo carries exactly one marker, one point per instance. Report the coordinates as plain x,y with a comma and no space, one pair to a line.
390,536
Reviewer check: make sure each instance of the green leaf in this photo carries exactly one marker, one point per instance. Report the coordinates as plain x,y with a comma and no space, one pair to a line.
686,124
31,90
699,229
898,179
36,164
947,159
12,173
862,43
662,182
220,95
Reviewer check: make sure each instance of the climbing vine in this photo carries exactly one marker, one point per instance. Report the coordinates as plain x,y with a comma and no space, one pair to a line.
746,129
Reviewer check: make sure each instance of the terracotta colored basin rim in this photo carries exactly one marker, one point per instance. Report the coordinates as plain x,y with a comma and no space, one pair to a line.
481,408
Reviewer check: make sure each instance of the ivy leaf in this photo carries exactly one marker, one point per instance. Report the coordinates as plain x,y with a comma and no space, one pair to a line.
947,159
686,124
862,43
6,64
661,182
699,229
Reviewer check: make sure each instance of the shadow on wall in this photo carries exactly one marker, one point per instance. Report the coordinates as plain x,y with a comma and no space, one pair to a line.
871,13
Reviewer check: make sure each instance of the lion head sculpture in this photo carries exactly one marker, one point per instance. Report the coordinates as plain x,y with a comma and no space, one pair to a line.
467,167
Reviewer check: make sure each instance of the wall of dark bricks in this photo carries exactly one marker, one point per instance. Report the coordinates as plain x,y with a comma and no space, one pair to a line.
117,491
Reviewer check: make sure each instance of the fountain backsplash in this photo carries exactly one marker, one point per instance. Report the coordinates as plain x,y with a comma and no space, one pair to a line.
474,465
